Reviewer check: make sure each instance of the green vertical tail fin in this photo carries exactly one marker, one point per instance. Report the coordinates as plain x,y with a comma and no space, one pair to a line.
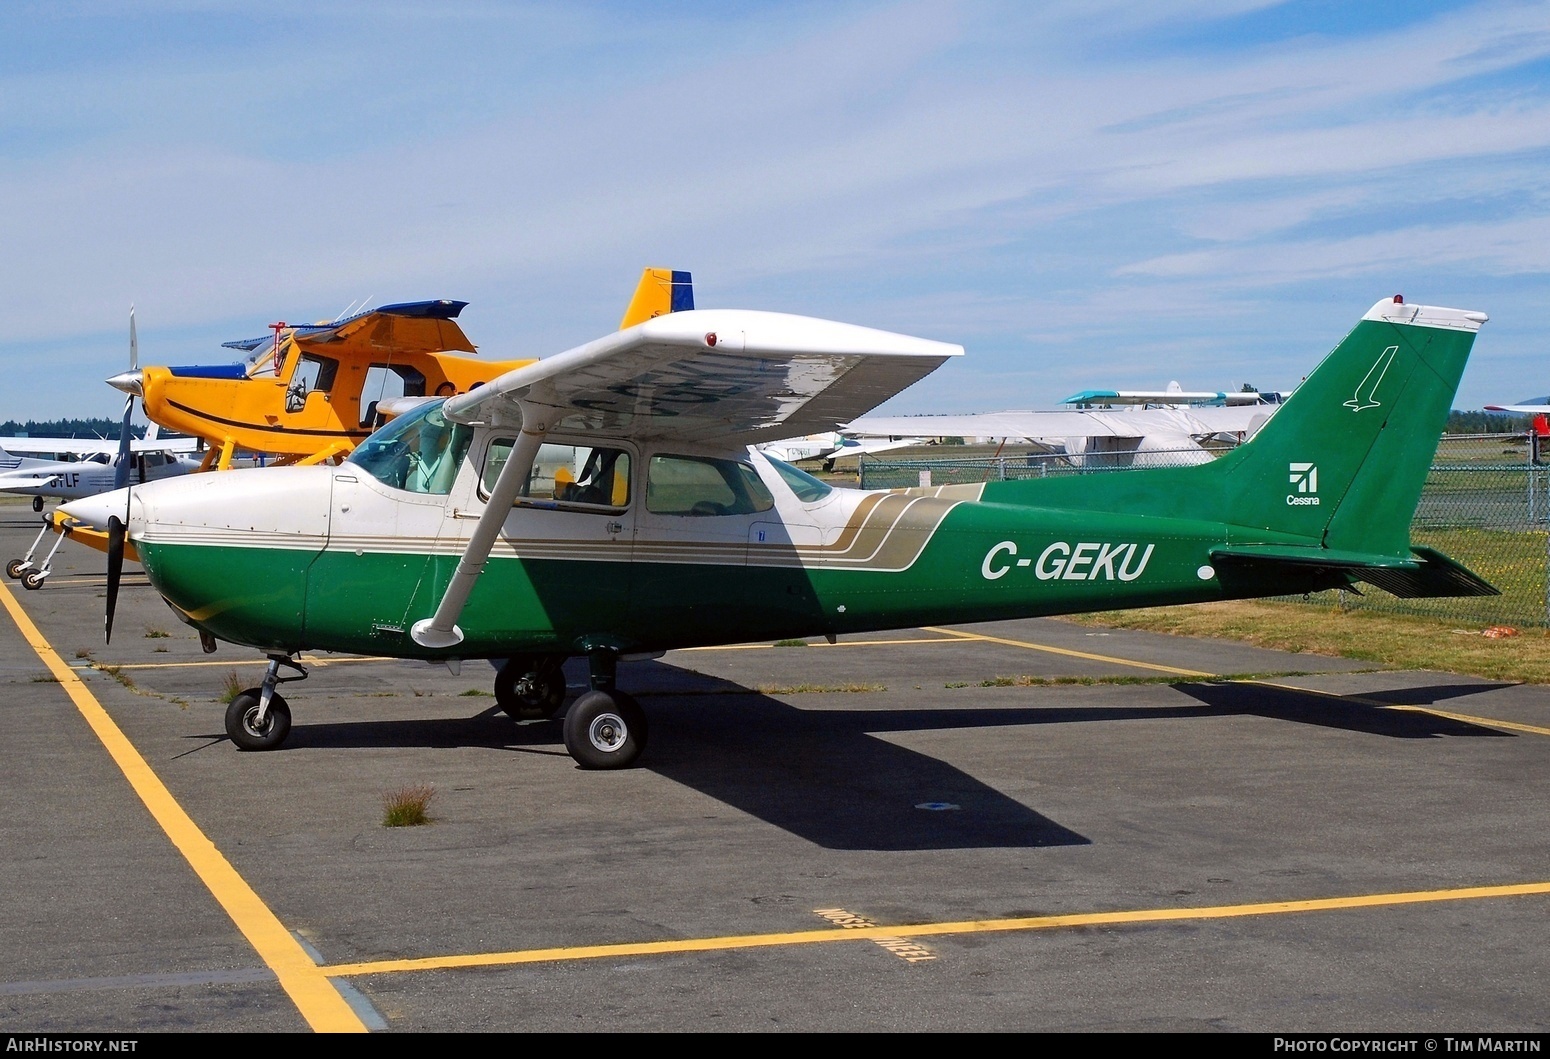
1343,461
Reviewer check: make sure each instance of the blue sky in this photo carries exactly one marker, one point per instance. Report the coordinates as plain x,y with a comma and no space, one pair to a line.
1082,194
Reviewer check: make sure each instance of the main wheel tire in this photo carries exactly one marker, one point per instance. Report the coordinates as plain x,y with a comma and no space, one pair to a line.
33,580
245,733
14,568
37,503
529,690
605,730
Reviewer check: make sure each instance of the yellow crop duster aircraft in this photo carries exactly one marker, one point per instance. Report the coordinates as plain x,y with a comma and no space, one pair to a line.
309,393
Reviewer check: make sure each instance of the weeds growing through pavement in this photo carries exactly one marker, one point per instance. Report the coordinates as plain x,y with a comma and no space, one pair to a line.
407,806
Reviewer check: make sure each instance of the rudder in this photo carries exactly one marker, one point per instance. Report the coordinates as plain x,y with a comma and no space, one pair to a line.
1344,460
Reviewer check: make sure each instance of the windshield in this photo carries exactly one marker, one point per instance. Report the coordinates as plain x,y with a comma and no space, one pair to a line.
418,451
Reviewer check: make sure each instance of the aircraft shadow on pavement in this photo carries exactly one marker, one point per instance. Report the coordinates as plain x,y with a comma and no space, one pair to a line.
1353,715
831,777
821,775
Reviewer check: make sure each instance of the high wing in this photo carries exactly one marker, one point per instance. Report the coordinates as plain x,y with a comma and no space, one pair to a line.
729,376
1181,424
732,375
407,327
1532,406
1100,398
89,447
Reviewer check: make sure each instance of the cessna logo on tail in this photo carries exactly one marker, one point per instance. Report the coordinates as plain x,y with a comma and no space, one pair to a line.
1305,476
1366,395
1084,561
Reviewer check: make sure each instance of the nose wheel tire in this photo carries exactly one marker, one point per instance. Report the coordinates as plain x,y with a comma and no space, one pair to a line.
242,722
605,730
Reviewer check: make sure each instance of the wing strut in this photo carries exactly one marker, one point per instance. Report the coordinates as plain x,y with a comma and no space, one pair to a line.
440,629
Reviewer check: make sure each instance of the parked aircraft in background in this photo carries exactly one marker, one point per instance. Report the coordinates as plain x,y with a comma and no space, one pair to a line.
309,393
1528,406
833,445
90,468
78,468
1112,428
1174,396
611,501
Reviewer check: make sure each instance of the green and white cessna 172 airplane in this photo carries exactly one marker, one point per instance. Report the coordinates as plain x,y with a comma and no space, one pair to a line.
610,501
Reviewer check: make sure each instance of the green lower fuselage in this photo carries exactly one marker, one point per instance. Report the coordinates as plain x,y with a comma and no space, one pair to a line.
982,562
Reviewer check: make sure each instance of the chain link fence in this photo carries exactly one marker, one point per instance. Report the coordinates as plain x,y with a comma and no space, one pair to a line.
1486,504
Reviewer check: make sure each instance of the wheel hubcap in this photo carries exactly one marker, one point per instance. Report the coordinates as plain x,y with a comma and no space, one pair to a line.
608,732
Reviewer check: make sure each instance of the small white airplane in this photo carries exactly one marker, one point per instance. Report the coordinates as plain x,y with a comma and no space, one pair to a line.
1529,406
610,502
77,468
70,468
831,446
1175,396
1128,428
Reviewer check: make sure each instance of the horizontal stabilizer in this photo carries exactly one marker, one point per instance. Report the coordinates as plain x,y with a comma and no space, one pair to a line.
1428,574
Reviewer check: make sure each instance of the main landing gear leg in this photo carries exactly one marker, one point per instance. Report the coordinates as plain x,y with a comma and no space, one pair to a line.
605,728
260,719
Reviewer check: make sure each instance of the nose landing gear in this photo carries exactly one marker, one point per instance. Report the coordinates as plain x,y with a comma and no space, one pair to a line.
23,570
259,719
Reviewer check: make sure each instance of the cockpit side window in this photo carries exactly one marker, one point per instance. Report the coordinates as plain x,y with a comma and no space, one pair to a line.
594,476
312,373
700,485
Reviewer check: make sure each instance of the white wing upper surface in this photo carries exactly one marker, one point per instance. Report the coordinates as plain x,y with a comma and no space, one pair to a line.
737,375
88,447
1181,423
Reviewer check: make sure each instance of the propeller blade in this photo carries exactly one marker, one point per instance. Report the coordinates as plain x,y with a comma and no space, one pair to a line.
115,571
125,455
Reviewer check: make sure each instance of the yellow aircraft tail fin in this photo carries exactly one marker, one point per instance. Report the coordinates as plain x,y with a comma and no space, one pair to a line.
661,291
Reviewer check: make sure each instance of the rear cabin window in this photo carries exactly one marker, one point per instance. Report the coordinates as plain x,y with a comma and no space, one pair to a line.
699,486
807,488
566,474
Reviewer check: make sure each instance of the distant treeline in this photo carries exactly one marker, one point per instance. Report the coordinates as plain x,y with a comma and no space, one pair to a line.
65,428
1486,423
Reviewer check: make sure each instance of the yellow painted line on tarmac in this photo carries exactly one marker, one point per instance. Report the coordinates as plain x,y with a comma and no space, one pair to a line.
922,930
1072,654
1489,722
1466,718
822,643
314,995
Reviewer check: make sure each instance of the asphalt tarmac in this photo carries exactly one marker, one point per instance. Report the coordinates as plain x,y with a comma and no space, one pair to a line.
911,831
